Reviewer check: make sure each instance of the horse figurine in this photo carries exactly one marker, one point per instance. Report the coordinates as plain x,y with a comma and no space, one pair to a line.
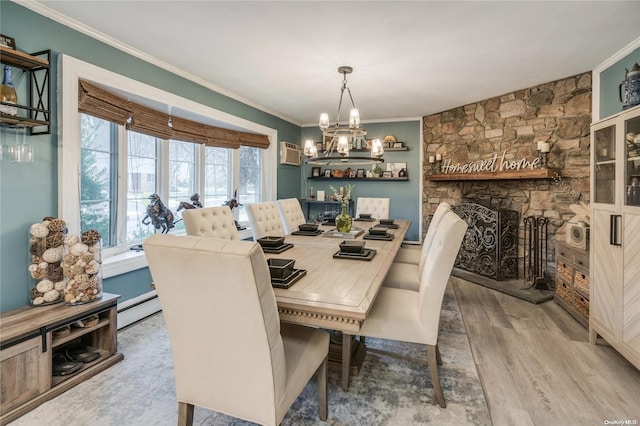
158,214
195,203
233,203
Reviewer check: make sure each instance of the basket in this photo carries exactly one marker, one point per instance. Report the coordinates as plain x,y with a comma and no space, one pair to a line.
565,271
581,304
581,282
564,292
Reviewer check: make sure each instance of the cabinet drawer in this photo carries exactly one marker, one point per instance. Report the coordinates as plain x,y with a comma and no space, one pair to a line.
581,304
564,292
581,282
581,261
565,271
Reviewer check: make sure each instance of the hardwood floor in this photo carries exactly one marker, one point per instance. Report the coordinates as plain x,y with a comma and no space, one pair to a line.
537,366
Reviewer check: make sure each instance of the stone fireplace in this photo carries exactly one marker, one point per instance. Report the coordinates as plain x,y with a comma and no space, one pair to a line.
557,112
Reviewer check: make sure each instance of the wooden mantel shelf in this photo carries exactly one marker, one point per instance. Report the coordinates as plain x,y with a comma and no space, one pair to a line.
520,174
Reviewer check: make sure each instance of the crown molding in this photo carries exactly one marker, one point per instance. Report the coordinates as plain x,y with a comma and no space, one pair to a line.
45,11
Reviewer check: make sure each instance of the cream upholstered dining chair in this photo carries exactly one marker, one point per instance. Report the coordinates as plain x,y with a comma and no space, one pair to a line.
291,214
407,267
414,316
264,220
216,222
377,207
230,352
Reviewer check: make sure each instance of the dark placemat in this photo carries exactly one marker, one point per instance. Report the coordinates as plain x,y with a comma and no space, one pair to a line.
365,219
287,282
387,237
308,233
367,255
276,250
389,226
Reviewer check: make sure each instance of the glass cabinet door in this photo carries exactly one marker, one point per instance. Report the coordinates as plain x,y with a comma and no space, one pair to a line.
632,163
605,165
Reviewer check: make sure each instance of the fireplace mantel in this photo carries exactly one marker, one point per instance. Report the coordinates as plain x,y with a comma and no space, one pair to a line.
520,174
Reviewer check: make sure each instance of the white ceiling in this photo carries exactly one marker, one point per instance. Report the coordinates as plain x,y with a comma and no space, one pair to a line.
410,59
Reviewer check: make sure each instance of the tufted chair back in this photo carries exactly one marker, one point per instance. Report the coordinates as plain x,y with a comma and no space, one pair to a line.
264,220
377,207
229,350
216,222
442,209
291,214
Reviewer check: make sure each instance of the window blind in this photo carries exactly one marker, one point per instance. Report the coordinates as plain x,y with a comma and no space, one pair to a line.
101,103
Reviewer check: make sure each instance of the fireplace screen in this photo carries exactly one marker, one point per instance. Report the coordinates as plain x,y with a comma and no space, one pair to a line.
490,246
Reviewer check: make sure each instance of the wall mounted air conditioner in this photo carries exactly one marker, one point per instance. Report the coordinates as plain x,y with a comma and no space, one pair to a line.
290,153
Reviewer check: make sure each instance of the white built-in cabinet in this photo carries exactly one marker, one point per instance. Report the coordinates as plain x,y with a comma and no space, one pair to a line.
615,233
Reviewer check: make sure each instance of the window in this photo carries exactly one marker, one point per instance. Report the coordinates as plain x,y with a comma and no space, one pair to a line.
120,168
101,179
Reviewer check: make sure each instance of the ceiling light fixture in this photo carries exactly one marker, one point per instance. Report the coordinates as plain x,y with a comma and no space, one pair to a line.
339,140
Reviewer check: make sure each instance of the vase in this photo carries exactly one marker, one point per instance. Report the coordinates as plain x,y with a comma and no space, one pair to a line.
344,220
46,247
8,93
82,263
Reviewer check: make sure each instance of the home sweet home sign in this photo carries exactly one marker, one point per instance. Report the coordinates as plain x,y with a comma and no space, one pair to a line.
491,165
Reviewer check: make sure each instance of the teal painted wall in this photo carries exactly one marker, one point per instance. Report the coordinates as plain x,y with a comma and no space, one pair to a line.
405,196
28,192
610,80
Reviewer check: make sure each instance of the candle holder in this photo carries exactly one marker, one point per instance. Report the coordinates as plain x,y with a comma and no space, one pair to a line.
543,150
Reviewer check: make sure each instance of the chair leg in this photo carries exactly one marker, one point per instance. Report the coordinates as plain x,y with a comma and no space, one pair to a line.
323,405
346,360
185,414
438,357
432,356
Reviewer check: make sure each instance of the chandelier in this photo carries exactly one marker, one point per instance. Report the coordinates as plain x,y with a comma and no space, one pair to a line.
338,140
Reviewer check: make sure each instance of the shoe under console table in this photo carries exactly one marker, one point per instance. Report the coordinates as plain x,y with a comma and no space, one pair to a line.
31,336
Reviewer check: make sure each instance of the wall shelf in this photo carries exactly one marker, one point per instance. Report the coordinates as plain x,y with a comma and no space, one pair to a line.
521,174
36,113
401,179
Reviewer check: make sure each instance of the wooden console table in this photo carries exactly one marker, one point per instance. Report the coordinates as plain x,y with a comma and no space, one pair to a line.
27,345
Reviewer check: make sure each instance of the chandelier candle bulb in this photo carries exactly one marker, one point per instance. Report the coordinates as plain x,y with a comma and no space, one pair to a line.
354,118
324,121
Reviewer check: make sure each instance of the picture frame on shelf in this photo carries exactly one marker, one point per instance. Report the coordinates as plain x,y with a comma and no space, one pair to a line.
7,41
387,174
398,145
395,168
352,173
315,172
327,173
319,147
360,173
337,173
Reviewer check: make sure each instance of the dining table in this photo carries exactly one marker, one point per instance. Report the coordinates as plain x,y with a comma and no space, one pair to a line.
337,293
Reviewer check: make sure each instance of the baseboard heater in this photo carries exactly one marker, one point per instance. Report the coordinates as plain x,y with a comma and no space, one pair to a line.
138,308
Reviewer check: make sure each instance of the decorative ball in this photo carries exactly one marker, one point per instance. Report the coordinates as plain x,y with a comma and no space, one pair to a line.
55,272
39,230
51,296
90,237
38,300
92,267
78,249
44,286
60,286
71,239
57,225
55,239
53,254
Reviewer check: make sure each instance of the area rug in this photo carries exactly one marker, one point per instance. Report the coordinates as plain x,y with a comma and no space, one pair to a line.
393,387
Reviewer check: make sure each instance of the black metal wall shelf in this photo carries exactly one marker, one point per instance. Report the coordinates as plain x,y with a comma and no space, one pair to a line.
36,114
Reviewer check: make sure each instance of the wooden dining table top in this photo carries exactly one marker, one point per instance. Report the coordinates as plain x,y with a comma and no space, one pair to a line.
335,293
